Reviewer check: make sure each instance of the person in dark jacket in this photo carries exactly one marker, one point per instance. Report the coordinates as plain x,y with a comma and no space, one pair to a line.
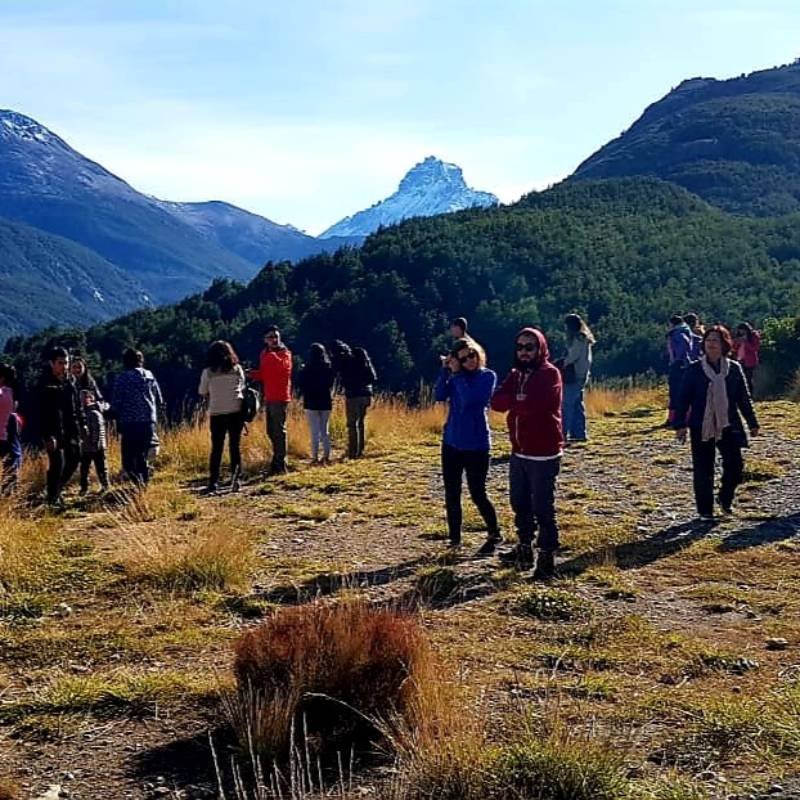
60,422
93,442
357,377
713,393
531,394
135,403
467,386
315,383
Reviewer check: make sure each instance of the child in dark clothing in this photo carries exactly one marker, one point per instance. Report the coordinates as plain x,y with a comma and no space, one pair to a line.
93,442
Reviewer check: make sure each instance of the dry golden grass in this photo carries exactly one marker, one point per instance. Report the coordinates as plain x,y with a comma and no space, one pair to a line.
26,547
602,401
204,555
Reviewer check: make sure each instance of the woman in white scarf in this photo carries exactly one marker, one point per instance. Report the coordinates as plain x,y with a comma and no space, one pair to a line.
713,393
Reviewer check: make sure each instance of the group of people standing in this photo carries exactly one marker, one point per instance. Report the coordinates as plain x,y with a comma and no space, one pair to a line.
710,379
540,409
70,415
223,386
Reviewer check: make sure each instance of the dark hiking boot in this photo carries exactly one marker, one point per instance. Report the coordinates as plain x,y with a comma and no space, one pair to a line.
545,566
212,488
521,556
727,508
490,545
454,544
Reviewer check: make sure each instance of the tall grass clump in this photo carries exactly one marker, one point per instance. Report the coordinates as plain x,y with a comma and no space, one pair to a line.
204,555
27,548
330,669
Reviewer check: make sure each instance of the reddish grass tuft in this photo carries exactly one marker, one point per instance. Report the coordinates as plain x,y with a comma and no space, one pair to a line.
339,666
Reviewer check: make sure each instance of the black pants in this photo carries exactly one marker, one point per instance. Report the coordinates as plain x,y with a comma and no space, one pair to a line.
222,425
99,461
476,464
62,463
135,439
532,488
704,456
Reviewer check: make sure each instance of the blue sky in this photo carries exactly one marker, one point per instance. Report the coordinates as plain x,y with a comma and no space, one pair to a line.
306,111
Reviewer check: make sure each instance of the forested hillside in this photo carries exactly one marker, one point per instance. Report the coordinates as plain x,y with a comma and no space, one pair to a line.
625,253
736,142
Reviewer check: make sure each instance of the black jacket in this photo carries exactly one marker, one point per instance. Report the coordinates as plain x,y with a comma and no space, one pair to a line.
356,379
315,383
692,399
58,409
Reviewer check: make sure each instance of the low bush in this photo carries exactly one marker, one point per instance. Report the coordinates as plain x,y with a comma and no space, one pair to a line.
335,669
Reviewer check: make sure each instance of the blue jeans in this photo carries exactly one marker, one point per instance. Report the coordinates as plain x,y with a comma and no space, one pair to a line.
573,411
318,423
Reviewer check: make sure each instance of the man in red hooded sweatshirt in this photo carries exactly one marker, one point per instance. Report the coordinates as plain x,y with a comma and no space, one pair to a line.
275,375
531,394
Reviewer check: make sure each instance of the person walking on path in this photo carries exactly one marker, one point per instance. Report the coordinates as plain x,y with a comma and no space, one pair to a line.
357,377
748,350
575,370
713,393
274,373
222,386
315,384
59,422
467,386
135,403
93,442
531,394
679,343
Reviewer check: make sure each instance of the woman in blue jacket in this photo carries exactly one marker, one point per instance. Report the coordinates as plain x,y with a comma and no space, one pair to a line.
468,386
713,393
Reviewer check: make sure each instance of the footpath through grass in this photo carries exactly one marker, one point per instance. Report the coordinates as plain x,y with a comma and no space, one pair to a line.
661,664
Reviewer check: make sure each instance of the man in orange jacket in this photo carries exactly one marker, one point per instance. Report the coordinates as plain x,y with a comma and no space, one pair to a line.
275,375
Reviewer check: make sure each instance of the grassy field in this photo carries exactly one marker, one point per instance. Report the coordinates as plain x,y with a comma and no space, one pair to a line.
663,663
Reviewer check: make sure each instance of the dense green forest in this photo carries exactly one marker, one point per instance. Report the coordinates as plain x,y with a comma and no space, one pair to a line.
625,253
735,143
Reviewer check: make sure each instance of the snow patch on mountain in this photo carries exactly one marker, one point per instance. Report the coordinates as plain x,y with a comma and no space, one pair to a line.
429,188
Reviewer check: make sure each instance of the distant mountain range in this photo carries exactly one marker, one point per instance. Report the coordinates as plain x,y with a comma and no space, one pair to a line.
431,187
735,143
69,216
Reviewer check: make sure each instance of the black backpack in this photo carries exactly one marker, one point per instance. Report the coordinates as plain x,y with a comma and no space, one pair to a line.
251,404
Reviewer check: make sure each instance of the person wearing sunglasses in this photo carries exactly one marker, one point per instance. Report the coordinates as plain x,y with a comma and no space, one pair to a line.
275,375
467,386
531,394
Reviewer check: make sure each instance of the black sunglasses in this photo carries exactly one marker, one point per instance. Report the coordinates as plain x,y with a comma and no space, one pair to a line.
467,357
529,347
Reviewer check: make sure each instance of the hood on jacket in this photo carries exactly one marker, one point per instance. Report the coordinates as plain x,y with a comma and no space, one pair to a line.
541,357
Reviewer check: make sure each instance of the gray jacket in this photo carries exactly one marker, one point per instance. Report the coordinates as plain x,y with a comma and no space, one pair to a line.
93,437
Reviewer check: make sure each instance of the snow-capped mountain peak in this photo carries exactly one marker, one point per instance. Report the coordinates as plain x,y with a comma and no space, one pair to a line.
431,187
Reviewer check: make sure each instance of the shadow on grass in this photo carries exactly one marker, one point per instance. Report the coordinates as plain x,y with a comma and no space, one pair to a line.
186,761
632,555
332,582
767,532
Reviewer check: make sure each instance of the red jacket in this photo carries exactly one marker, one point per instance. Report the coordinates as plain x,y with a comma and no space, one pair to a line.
275,375
532,399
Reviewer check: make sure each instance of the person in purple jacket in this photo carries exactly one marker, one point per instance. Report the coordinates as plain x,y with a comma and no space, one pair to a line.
467,386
